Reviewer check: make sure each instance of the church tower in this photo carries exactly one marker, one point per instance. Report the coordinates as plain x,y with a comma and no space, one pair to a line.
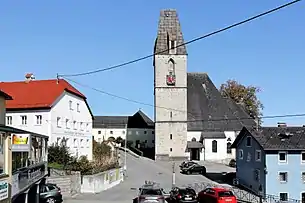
170,89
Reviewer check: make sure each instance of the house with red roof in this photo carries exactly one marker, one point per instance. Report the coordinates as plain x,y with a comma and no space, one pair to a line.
51,107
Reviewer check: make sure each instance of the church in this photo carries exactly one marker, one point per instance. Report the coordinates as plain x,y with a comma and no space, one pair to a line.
192,119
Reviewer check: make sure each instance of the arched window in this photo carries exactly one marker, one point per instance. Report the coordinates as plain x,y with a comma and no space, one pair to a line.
229,150
171,67
214,146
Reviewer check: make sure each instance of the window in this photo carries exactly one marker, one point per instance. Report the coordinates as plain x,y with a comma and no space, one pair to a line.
303,157
99,132
171,136
81,143
20,160
70,105
123,132
145,132
171,114
81,126
284,196
111,132
77,106
74,125
283,177
214,146
67,123
153,141
256,175
38,119
229,150
58,122
172,47
258,155
24,120
2,153
152,132
88,143
248,144
240,154
171,149
9,120
75,142
129,133
282,157
303,177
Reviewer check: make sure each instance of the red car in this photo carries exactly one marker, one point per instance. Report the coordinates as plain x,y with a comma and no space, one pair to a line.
216,195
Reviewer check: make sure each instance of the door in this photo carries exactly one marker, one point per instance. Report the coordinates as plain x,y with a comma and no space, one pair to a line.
303,197
195,154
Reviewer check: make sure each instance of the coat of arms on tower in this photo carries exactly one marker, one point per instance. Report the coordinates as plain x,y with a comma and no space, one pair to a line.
171,79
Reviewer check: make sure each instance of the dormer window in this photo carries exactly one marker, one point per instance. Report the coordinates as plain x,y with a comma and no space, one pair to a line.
171,77
172,47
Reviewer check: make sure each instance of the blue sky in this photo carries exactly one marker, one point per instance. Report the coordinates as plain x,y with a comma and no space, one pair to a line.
49,37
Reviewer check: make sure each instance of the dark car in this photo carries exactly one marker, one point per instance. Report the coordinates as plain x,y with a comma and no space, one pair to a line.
186,164
50,193
182,195
195,168
232,163
150,192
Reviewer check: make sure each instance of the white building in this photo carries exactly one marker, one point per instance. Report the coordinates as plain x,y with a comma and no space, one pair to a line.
138,128
194,120
51,107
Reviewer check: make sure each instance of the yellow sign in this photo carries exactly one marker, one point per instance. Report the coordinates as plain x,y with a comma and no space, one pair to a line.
20,139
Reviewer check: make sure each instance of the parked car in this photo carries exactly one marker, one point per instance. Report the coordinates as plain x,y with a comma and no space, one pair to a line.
186,164
150,192
230,178
195,168
50,193
216,195
183,195
232,163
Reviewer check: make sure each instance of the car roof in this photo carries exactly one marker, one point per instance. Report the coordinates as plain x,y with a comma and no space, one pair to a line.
219,189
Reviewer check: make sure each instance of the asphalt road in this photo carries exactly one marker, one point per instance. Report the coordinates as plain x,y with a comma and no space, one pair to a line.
139,170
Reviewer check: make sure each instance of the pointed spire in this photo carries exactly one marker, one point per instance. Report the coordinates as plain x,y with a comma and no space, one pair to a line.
169,30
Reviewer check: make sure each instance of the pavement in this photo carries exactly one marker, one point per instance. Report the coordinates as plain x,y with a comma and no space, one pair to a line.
139,170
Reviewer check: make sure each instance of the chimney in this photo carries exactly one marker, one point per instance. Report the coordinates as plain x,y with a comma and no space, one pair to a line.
29,77
281,125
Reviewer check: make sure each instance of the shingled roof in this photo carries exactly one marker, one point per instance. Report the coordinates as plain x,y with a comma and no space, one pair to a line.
169,29
208,110
275,138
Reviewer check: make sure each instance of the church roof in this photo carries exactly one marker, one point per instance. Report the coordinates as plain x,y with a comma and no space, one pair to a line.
169,29
208,110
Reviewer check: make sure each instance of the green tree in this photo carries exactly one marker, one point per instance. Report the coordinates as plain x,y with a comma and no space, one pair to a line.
100,151
119,140
245,95
59,153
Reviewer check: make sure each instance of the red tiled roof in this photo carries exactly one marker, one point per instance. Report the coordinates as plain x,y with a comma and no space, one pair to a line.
36,93
6,96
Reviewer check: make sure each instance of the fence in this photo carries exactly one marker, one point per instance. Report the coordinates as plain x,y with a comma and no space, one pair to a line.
242,195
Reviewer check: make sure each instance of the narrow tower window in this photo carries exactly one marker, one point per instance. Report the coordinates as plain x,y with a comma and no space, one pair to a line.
171,136
172,47
171,114
171,77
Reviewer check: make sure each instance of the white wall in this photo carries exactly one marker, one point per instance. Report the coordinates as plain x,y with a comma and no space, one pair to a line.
79,137
232,136
101,134
143,135
2,110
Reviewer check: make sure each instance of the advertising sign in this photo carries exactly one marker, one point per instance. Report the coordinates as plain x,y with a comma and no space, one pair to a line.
3,190
26,177
20,142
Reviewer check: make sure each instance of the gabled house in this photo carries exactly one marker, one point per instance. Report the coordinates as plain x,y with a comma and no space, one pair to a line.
271,161
53,108
138,129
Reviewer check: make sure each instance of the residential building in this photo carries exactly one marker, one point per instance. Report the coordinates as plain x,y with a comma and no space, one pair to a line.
24,150
192,119
138,128
271,161
53,108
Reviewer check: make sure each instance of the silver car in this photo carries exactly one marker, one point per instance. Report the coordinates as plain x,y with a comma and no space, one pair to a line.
151,192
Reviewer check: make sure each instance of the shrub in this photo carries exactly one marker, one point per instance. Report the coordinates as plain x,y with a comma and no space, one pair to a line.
59,153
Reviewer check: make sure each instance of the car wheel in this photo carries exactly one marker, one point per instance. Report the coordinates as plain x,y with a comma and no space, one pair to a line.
50,200
203,172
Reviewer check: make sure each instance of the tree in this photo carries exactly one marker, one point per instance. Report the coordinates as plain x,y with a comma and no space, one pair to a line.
245,95
59,153
119,140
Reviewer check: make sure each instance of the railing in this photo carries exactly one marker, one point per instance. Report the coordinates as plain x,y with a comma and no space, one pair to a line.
242,195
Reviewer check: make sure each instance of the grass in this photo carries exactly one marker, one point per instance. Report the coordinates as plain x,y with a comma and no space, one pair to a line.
56,166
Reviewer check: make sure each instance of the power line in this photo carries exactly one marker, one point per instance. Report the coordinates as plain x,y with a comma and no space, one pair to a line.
195,120
188,42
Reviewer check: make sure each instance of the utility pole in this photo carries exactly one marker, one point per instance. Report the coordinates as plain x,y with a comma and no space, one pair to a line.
125,154
174,176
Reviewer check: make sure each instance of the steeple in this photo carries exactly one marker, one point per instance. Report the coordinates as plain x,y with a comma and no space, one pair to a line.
169,34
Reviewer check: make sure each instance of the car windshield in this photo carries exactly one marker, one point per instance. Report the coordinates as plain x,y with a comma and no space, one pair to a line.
187,192
151,192
225,194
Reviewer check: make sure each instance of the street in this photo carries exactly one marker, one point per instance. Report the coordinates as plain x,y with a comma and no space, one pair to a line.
139,170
